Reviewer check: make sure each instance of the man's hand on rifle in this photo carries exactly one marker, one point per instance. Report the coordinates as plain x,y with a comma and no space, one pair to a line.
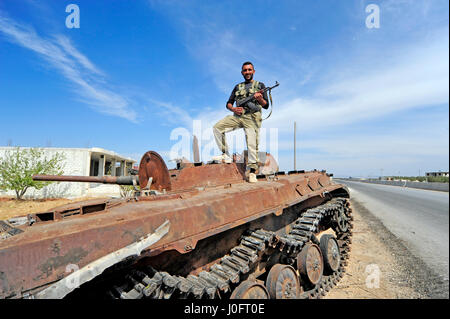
238,110
259,97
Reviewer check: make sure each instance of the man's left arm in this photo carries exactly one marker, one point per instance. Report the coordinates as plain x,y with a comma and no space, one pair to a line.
262,98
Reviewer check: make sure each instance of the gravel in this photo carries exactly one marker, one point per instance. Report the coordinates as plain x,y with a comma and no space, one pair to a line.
408,270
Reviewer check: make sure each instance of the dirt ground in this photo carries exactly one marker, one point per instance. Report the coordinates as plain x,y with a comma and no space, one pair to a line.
370,256
376,250
10,207
380,267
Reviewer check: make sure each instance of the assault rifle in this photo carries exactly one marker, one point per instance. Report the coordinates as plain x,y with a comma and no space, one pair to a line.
248,103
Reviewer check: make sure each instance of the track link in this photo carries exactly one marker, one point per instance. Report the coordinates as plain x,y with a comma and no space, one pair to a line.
225,275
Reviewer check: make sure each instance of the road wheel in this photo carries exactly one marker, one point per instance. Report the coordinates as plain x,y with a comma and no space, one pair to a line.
310,263
282,282
330,252
250,289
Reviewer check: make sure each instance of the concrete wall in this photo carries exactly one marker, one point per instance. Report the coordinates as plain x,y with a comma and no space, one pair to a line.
444,187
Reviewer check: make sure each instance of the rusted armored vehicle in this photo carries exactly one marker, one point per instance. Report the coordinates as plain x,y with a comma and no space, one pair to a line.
197,231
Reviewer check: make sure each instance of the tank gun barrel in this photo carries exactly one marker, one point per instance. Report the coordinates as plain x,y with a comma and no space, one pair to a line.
119,180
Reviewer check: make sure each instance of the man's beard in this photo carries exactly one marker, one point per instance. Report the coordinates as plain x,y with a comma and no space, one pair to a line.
251,78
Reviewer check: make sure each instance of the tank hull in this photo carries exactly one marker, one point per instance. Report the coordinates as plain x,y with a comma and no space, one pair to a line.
78,234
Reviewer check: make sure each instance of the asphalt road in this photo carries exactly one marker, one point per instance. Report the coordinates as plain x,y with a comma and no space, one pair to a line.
418,217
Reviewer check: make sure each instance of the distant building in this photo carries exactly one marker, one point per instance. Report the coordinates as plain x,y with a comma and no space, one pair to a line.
446,174
81,162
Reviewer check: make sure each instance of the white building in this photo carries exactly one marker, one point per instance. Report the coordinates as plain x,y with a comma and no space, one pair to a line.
437,174
80,162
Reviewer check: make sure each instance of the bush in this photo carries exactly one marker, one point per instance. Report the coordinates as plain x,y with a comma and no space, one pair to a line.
126,190
430,179
18,166
438,179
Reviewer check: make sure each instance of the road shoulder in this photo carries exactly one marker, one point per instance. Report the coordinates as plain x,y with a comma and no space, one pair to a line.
375,250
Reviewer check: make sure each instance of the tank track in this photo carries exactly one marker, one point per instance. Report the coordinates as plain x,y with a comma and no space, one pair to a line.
230,270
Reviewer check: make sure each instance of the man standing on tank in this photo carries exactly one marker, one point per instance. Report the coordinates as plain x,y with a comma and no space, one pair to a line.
243,117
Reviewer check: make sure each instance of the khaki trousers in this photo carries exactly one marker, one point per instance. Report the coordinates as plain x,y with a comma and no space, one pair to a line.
250,122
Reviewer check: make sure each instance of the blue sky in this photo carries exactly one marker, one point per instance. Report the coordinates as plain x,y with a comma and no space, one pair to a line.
137,75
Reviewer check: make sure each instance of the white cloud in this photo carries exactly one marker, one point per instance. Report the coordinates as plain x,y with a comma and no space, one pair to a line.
73,65
68,47
172,114
411,76
420,143
417,76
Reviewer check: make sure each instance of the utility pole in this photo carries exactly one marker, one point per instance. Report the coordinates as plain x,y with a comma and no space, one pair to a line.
295,153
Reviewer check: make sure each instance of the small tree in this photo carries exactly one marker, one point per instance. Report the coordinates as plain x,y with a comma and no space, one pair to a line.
18,166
